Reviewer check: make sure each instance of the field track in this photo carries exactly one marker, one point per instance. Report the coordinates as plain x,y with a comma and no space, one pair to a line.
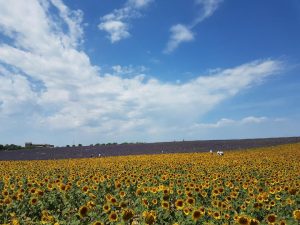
147,148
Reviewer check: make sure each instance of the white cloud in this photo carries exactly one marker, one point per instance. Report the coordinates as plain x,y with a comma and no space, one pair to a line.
247,127
116,24
129,70
230,122
72,18
76,98
208,8
139,3
117,29
183,33
179,34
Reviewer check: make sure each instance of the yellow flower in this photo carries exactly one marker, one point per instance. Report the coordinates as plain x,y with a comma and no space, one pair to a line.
196,215
127,214
179,204
113,217
296,214
271,218
83,211
243,220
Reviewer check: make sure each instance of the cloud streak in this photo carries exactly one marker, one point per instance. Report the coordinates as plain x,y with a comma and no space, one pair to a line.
181,33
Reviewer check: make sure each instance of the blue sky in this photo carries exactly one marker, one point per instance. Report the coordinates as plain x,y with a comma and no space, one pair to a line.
145,70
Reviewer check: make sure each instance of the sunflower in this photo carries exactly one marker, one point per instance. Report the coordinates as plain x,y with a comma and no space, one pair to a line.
83,211
106,208
149,217
138,192
91,204
243,220
113,217
196,215
217,215
7,200
40,193
47,218
277,197
62,187
179,204
127,214
186,211
203,194
50,187
271,218
165,205
179,192
20,196
296,214
85,189
33,201
114,201
32,190
145,202
122,194
123,204
91,195
282,222
154,201
215,192
190,201
254,222
5,192
227,216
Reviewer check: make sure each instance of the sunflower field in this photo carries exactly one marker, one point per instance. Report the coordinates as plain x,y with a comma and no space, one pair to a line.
257,186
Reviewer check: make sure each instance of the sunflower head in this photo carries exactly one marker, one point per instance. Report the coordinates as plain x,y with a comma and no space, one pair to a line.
149,218
154,201
271,218
127,214
113,217
196,215
165,205
254,222
190,201
83,211
33,201
186,211
282,222
179,204
243,220
106,208
217,215
296,214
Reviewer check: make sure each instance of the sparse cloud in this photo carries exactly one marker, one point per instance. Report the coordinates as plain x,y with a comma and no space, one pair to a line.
230,122
74,97
117,29
183,33
179,34
129,70
116,24
208,7
139,3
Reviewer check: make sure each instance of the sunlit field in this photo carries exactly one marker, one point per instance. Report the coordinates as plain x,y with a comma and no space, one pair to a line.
259,186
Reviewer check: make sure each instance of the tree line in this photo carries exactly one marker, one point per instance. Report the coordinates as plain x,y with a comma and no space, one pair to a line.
10,147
